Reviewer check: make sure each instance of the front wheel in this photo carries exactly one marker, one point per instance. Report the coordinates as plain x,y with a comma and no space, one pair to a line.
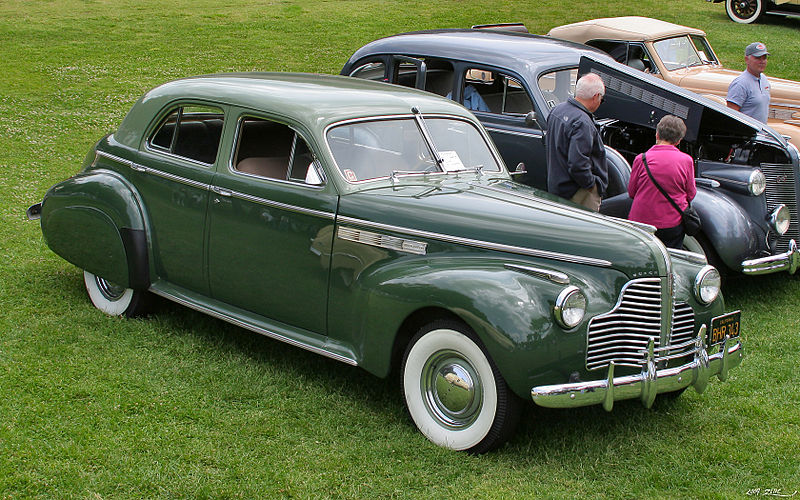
112,299
744,11
454,392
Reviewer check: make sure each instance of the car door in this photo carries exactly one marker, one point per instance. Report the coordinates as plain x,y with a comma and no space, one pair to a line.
270,226
173,174
503,103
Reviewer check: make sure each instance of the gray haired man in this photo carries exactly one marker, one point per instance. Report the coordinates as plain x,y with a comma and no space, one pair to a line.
576,156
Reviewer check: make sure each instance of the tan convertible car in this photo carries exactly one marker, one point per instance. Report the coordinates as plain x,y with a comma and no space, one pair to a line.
682,56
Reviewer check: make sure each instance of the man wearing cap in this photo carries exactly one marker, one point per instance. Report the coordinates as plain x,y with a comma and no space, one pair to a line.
749,92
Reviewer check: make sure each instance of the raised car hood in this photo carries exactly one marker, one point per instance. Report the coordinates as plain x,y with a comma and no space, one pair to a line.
504,216
638,98
704,80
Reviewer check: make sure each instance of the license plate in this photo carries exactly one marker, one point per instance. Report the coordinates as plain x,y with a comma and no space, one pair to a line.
727,324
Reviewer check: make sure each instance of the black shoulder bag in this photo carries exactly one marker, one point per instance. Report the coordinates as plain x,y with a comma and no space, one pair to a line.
689,217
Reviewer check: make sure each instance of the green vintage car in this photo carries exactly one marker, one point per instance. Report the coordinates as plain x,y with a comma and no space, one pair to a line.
378,226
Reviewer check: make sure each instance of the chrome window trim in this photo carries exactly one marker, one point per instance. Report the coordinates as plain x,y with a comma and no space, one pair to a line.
487,245
267,333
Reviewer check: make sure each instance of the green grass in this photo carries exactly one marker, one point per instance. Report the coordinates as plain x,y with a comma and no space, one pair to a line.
182,405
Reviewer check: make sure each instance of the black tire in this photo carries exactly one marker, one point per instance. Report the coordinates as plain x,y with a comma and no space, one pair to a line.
454,392
112,299
744,11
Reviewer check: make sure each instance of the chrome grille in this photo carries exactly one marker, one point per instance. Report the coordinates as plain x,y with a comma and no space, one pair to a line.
622,335
780,190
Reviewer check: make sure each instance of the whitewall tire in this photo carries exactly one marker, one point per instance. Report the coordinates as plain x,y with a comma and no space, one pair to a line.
744,11
112,299
454,393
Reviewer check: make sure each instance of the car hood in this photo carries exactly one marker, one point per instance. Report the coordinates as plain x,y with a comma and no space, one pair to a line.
505,216
715,80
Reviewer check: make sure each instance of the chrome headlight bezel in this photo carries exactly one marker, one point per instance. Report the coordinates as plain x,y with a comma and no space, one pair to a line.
780,219
570,307
707,285
757,182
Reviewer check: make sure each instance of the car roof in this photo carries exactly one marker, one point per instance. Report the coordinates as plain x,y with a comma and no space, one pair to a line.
630,28
520,52
313,100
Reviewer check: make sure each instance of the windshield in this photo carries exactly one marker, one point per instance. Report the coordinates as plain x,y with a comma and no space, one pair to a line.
382,148
678,52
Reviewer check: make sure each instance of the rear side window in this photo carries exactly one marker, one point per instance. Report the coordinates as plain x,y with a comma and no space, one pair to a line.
494,92
191,132
273,150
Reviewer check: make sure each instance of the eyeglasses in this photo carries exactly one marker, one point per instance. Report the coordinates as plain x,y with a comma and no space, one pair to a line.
602,98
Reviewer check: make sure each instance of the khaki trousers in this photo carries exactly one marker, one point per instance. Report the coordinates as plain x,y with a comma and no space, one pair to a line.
588,198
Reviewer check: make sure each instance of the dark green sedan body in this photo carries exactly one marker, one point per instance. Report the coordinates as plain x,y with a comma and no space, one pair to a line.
183,201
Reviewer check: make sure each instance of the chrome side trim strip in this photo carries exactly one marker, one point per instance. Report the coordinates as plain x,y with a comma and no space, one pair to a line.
251,327
171,177
282,206
513,132
554,276
382,240
479,243
114,158
148,170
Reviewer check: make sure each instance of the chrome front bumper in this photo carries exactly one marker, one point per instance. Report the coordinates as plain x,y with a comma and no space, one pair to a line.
648,383
787,261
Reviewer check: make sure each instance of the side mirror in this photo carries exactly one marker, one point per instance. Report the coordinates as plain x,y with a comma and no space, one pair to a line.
531,121
519,170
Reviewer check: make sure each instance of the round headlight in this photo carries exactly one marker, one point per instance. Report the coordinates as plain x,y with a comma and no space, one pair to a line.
707,284
570,307
757,182
779,219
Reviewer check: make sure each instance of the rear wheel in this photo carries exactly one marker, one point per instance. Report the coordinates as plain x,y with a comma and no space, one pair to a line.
454,392
744,11
113,299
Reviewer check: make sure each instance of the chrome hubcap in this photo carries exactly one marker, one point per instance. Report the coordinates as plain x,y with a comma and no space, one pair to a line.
109,290
452,389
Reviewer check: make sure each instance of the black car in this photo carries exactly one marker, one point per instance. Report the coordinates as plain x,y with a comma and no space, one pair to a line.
747,174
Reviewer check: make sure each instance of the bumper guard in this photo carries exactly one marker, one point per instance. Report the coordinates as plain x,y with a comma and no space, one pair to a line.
647,384
786,261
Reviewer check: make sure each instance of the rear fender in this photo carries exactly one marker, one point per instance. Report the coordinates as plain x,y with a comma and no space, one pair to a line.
95,221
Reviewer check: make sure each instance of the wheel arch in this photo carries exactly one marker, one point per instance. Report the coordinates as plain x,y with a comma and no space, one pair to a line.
728,228
96,222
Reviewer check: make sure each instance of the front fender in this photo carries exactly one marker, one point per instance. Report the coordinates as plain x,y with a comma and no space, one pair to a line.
95,221
728,228
510,311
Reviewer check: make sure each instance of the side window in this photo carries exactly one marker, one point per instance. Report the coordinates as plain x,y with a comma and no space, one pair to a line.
617,50
558,86
269,149
494,92
371,71
191,132
704,49
639,58
438,75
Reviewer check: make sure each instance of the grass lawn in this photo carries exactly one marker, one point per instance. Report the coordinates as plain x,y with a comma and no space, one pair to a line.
181,405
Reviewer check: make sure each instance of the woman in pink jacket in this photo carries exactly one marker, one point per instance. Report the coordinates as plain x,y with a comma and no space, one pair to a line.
673,170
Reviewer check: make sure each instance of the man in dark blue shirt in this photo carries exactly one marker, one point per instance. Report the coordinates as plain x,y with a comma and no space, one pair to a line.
576,156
